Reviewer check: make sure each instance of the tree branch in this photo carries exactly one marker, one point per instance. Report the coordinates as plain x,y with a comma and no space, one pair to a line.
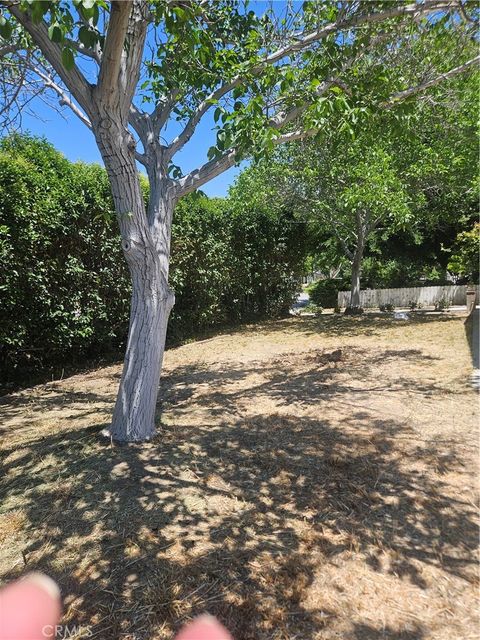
136,34
402,95
9,48
65,99
84,51
345,247
301,42
73,79
196,178
108,79
282,118
162,111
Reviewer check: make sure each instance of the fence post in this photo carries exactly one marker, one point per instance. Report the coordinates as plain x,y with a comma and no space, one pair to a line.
471,298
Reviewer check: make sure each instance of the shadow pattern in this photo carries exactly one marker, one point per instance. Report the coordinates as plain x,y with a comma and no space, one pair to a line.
241,514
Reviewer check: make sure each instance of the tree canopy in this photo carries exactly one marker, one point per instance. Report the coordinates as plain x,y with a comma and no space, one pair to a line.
267,78
411,178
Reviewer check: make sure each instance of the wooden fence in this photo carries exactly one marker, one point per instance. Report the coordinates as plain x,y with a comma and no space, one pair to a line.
453,295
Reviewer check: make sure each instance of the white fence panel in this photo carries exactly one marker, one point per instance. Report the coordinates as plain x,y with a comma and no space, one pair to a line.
425,296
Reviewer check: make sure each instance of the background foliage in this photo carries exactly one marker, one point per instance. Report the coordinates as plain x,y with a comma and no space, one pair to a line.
416,170
65,290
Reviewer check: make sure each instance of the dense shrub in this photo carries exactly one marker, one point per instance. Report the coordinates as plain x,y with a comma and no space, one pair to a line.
200,265
403,271
231,263
64,284
267,255
325,292
268,249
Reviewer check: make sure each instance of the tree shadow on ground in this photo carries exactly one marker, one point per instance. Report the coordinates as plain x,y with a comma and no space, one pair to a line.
305,378
239,516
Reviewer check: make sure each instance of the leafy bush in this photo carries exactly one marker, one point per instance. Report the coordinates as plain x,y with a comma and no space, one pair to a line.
387,307
65,287
313,308
442,304
268,250
324,292
199,268
231,263
413,304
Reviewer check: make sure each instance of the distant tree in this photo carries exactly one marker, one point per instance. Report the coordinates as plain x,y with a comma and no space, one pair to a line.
464,258
412,180
353,190
268,79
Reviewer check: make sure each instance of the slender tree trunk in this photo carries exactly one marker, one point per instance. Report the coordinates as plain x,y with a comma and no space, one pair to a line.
355,282
146,246
134,413
354,307
361,235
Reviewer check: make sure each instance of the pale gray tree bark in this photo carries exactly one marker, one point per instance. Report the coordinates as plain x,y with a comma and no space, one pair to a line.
362,230
355,281
146,246
364,226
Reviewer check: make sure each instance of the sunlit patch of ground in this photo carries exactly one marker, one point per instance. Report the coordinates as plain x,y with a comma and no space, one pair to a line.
312,479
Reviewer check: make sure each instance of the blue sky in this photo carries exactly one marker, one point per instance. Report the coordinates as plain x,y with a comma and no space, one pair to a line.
76,142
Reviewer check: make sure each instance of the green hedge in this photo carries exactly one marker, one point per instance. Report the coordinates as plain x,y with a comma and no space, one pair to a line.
64,285
324,293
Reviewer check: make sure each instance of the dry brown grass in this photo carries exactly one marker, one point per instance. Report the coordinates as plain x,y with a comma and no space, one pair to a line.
312,479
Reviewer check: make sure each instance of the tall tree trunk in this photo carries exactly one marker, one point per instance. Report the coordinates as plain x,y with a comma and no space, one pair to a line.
355,282
146,246
361,228
354,307
134,413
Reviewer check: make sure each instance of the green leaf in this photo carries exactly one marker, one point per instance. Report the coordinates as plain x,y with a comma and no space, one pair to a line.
86,36
55,33
39,9
180,13
212,153
6,28
68,59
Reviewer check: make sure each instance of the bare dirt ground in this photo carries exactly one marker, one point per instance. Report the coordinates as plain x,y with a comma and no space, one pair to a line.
312,479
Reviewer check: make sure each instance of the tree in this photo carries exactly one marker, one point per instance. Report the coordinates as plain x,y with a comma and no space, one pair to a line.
349,190
464,259
356,192
412,179
268,80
